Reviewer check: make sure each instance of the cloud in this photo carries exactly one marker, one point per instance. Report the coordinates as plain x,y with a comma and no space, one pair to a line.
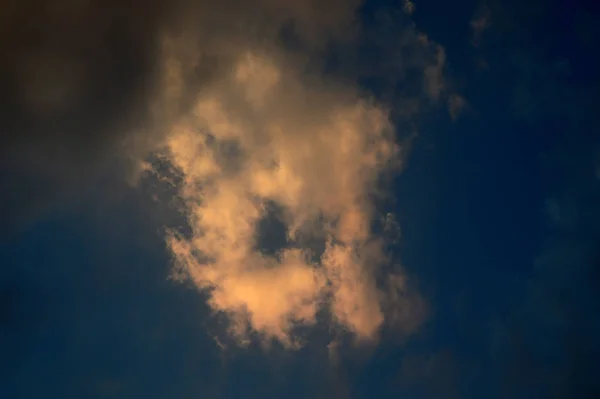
317,153
456,105
480,23
408,6
266,131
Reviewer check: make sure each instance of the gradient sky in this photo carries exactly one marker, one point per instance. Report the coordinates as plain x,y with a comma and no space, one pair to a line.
439,163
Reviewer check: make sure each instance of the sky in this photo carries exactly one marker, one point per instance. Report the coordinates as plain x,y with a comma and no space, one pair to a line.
336,199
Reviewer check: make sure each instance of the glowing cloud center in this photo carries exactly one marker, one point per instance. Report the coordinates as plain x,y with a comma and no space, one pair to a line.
317,152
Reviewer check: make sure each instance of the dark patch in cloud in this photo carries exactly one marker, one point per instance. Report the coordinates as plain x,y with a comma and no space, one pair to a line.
272,231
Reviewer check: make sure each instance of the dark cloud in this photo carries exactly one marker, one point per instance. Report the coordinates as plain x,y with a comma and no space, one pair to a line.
76,76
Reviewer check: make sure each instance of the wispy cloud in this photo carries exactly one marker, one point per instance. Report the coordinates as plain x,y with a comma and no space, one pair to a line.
480,23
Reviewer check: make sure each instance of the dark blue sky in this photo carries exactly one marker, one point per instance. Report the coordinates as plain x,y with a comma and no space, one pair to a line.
500,222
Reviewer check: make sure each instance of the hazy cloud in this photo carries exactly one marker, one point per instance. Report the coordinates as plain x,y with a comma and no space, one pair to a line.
480,23
315,150
409,6
75,81
456,105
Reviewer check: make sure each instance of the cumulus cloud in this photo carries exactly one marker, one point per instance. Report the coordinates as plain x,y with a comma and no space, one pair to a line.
317,153
267,131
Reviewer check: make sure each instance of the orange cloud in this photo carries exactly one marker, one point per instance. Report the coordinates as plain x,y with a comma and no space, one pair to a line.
264,131
314,151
